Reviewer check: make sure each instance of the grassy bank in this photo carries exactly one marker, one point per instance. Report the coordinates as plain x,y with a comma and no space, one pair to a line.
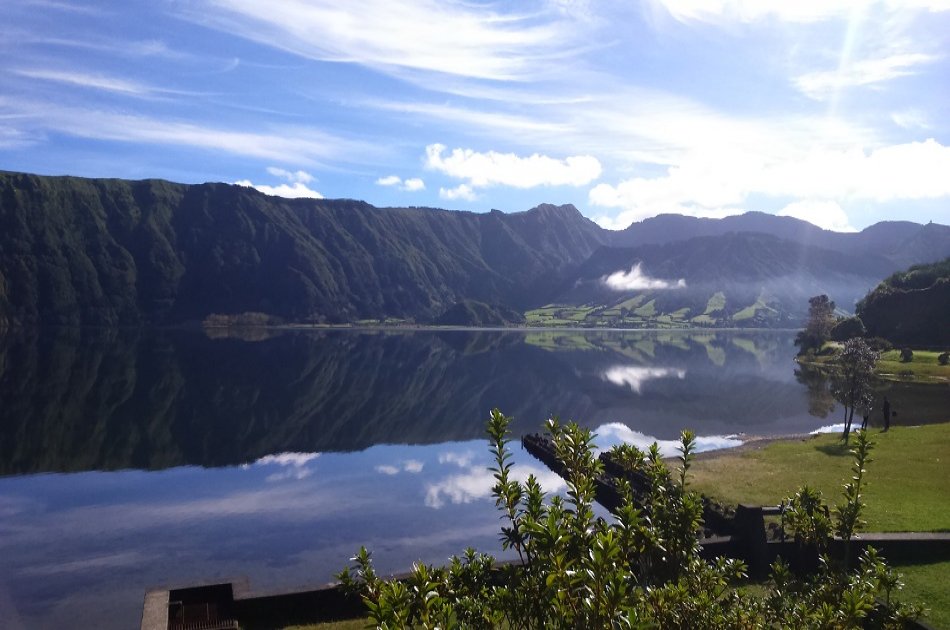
924,368
908,489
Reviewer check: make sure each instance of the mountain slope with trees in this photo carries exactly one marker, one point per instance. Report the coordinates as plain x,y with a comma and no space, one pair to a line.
911,307
80,251
108,252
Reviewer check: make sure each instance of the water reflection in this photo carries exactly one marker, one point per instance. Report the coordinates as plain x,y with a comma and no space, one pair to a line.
276,455
107,400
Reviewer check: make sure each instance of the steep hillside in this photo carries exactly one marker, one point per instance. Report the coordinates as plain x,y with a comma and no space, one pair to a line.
911,307
105,252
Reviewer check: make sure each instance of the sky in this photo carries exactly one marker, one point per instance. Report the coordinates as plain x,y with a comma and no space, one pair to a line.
832,111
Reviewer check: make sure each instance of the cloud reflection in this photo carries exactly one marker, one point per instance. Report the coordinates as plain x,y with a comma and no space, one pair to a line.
614,433
294,463
476,481
634,376
413,466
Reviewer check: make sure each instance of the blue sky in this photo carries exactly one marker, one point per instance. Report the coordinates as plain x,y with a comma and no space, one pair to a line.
835,111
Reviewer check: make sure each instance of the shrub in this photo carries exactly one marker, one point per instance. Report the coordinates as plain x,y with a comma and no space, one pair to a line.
943,358
641,569
880,344
907,355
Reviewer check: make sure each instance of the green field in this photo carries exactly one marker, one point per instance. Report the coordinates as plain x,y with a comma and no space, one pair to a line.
908,489
924,368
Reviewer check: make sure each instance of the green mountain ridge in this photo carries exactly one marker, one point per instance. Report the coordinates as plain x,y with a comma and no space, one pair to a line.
109,252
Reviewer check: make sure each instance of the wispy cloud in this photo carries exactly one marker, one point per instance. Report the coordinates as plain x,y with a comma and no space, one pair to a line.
446,37
97,82
282,144
823,84
804,12
636,280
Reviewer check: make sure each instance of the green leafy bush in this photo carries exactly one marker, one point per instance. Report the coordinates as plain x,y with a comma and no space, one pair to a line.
641,569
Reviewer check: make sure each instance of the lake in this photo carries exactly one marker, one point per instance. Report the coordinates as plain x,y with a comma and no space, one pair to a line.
132,459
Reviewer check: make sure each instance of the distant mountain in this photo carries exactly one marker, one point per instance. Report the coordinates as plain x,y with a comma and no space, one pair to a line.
737,279
106,252
911,307
895,240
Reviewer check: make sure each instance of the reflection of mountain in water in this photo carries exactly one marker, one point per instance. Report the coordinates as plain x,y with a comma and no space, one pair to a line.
116,399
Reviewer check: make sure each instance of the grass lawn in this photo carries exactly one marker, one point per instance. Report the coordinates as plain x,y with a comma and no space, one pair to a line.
923,366
908,488
926,584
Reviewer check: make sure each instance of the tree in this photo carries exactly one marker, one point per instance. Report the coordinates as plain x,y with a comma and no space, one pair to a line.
641,569
848,327
855,375
821,319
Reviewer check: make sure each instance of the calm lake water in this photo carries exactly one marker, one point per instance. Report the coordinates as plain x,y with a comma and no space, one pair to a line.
136,459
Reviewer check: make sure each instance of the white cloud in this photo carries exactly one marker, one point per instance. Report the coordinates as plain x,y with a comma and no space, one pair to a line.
296,190
911,119
387,469
802,11
462,191
412,184
493,168
302,177
389,180
634,376
716,183
825,214
824,84
412,466
636,280
445,37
